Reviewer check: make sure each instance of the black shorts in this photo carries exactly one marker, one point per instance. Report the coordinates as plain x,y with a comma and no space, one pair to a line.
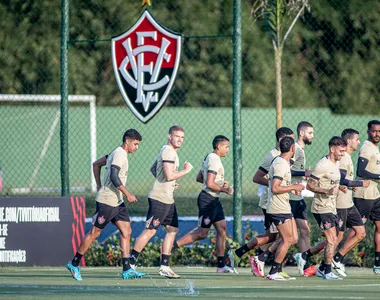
278,219
160,213
327,221
105,213
349,217
299,209
368,209
210,210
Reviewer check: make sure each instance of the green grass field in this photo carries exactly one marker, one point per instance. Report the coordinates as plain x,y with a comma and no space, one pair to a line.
200,283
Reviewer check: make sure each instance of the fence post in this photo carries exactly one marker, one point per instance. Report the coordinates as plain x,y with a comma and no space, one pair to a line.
236,121
65,190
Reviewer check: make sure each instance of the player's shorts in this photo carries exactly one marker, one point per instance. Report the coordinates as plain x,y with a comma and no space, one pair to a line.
368,209
349,217
278,219
160,213
210,210
327,221
267,225
299,209
105,213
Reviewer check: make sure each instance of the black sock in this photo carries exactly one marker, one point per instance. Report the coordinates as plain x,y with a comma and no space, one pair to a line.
259,251
133,257
377,259
338,257
242,250
327,268
265,255
125,262
76,260
276,267
221,262
175,245
306,255
165,259
322,266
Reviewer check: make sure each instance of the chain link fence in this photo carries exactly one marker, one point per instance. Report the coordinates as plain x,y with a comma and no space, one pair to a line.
330,78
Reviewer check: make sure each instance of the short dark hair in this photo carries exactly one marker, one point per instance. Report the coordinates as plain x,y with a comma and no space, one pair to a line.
373,122
348,133
175,128
302,125
218,139
283,131
337,141
132,134
286,143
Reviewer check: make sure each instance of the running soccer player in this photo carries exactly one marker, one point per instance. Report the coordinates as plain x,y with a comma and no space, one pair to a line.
367,200
110,206
279,212
324,182
262,178
305,133
211,211
162,209
347,211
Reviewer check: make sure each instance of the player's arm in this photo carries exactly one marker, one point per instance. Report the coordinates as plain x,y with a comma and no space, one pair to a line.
115,179
199,177
313,185
171,174
153,169
260,178
212,185
362,172
96,166
277,188
351,183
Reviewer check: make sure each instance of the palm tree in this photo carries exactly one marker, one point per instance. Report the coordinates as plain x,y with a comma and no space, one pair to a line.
276,15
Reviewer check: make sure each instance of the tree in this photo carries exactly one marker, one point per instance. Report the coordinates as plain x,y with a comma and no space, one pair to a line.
276,14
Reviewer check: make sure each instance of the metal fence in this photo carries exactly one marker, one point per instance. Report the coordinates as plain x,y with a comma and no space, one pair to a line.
330,78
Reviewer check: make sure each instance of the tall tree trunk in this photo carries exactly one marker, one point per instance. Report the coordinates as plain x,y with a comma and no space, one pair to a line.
278,60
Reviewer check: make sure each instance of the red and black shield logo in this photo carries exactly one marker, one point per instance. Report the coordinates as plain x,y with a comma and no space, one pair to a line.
145,61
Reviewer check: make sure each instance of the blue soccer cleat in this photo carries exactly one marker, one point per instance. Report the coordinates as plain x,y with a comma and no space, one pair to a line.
132,274
75,271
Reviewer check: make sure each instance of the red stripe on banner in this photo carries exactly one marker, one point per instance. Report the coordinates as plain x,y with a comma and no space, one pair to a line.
81,223
78,221
73,226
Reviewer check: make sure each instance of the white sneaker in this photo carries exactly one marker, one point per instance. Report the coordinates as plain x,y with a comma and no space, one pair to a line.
320,273
331,276
300,262
376,270
275,276
339,268
168,273
225,269
234,260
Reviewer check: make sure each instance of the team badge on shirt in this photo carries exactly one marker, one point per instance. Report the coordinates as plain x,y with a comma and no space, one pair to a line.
145,61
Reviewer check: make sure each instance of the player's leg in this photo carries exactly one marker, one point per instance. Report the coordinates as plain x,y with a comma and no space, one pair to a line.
375,217
103,215
286,228
221,232
171,224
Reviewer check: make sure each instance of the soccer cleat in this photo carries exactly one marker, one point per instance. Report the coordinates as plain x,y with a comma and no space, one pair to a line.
300,262
75,271
310,271
331,276
234,260
286,275
257,266
275,276
376,270
225,269
339,268
131,274
320,273
168,273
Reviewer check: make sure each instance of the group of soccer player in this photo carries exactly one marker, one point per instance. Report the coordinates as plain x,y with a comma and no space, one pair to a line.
340,202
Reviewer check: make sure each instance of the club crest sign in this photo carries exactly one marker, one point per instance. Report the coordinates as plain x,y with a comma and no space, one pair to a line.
145,62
